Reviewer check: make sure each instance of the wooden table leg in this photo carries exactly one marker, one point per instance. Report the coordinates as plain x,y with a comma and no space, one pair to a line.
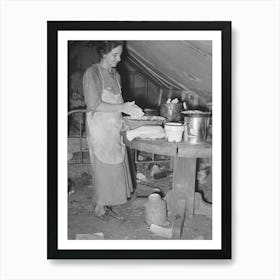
183,189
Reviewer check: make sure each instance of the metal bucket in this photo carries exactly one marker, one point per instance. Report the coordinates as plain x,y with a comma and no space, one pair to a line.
196,126
171,111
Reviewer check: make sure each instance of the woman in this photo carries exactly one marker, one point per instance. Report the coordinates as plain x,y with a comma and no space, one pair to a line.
105,105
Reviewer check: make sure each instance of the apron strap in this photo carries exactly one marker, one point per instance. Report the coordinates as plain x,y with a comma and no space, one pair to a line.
102,79
118,84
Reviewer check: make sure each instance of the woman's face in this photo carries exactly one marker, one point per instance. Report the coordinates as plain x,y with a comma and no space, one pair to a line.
113,57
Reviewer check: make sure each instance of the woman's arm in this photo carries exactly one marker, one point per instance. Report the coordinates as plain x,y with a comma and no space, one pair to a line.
92,92
128,108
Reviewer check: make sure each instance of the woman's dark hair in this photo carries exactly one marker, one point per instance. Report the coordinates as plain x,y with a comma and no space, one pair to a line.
104,47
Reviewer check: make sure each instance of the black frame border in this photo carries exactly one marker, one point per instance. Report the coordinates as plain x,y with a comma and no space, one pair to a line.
52,165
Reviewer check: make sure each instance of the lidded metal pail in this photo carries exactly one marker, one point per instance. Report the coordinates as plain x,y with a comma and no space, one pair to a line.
196,126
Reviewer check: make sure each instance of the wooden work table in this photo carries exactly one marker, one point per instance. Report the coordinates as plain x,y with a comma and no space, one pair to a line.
184,174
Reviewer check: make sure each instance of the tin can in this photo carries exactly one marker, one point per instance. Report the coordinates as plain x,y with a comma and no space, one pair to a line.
196,126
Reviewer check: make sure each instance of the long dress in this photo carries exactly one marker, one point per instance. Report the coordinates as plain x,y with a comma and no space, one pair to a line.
111,174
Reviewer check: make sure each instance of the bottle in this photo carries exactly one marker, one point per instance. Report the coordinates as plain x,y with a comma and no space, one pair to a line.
155,210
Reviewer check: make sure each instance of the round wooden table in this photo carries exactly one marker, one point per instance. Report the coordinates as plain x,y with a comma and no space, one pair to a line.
184,174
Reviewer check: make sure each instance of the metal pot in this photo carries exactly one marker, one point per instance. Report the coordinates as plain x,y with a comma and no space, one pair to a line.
171,111
196,125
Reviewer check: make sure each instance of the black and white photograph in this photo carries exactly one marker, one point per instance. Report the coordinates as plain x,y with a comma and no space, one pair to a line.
157,111
139,140
141,130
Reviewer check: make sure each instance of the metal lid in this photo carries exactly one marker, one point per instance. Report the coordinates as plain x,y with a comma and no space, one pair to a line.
196,113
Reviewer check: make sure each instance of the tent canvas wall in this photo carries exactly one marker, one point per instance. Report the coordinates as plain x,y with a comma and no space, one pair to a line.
151,71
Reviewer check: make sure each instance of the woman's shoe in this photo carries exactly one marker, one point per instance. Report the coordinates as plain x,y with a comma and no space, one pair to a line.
113,213
105,217
101,213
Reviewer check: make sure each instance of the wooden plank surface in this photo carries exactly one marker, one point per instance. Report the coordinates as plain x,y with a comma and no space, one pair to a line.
194,150
183,193
163,147
178,218
158,146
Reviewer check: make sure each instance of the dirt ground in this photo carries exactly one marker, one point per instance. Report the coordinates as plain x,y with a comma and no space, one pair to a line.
133,226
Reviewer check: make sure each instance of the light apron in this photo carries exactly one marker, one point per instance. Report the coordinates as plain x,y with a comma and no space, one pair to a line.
111,175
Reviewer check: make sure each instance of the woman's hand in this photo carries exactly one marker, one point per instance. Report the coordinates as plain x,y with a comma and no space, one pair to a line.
130,108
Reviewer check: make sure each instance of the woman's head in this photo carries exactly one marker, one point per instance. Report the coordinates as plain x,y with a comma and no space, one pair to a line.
110,52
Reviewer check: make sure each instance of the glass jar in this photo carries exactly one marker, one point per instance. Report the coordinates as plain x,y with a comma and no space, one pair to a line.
155,210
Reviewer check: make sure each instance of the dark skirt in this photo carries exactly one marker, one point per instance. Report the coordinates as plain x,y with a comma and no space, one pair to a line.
112,183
